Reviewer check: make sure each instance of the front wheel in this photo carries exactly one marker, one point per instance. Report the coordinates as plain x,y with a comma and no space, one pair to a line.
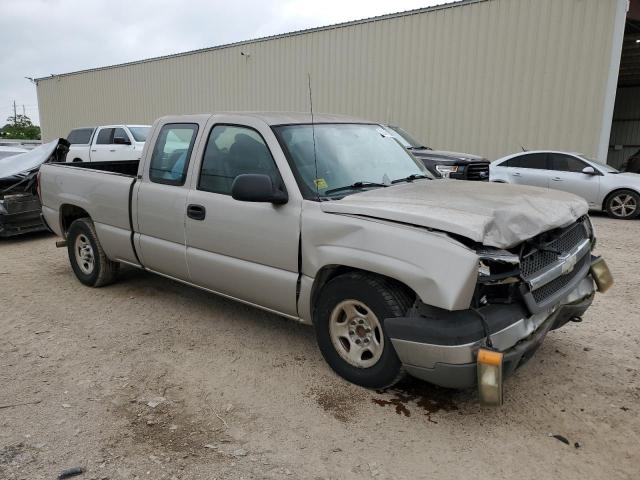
624,204
87,258
349,322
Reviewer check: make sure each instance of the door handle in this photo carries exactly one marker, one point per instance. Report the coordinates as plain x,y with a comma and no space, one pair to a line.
197,212
94,150
556,179
112,150
515,174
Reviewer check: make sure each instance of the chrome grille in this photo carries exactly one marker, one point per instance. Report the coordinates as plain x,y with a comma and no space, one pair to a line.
535,261
557,285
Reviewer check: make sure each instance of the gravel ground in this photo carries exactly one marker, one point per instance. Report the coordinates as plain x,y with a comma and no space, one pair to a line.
150,379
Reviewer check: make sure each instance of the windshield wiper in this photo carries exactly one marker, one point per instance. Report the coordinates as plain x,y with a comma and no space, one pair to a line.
421,147
410,178
355,186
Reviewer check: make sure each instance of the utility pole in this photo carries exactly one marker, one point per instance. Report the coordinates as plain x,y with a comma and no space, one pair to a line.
23,114
15,114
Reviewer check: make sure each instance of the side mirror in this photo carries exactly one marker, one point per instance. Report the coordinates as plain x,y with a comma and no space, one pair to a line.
121,141
254,187
589,170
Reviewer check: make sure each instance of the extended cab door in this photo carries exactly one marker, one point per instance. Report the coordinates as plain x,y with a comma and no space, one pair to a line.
245,250
566,175
528,169
161,199
101,146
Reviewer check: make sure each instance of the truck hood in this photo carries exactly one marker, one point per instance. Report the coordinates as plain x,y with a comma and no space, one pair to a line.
494,214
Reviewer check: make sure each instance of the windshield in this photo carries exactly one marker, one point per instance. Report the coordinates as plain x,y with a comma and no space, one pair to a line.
404,138
601,166
347,154
139,133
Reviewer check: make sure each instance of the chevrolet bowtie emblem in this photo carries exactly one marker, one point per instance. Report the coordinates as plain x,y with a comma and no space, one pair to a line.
568,262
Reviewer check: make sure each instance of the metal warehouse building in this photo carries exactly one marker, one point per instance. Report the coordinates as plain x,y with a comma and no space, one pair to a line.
480,76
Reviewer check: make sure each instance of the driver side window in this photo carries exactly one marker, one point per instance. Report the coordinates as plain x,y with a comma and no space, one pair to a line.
231,151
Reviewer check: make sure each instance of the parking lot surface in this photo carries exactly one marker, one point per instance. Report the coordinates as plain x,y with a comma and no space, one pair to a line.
151,379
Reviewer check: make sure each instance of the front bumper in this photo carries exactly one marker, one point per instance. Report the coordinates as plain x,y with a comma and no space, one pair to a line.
20,213
440,346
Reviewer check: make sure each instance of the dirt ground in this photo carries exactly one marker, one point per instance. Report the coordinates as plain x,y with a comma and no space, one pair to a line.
150,379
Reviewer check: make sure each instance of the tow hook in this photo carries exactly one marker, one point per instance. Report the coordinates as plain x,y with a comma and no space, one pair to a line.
61,243
576,319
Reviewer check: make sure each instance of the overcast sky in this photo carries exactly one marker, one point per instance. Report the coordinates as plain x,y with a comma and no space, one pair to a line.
41,37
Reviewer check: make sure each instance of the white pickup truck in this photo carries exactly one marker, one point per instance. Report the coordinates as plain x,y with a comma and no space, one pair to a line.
107,143
335,224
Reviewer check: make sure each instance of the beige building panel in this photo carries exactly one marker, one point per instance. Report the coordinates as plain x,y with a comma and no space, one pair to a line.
485,76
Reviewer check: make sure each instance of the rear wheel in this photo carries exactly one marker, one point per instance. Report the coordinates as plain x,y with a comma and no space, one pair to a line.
623,204
87,258
349,321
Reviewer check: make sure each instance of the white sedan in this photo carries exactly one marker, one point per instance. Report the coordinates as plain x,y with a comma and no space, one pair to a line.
604,187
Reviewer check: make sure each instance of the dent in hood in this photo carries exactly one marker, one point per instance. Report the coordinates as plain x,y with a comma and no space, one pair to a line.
494,214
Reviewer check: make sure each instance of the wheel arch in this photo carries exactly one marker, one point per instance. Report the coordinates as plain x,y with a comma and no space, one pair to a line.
329,272
68,214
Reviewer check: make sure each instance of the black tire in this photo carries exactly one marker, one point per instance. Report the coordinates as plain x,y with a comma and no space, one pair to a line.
615,208
385,300
77,160
100,270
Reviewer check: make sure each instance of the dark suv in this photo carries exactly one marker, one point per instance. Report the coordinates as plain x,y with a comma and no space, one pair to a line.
460,166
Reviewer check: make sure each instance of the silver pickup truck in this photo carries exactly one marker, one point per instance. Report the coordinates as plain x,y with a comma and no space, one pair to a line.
334,224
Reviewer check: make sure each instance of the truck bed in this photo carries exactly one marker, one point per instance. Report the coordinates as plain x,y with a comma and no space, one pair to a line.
101,189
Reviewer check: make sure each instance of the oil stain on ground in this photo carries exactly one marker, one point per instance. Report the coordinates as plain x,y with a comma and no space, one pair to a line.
341,401
428,398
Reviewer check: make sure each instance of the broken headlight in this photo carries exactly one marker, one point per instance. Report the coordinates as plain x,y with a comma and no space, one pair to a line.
498,276
497,264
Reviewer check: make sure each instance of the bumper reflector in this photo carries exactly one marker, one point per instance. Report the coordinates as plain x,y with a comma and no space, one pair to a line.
490,377
601,274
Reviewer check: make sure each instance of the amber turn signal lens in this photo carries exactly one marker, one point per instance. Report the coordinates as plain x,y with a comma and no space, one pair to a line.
601,274
490,377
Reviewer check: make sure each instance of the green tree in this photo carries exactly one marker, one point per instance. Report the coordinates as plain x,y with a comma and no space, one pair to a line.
20,127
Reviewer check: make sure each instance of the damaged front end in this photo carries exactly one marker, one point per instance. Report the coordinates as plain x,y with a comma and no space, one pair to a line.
521,294
20,208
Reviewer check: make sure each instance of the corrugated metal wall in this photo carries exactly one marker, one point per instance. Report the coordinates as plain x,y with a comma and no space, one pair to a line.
625,131
484,76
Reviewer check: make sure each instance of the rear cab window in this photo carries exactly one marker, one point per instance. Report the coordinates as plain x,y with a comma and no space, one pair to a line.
171,153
